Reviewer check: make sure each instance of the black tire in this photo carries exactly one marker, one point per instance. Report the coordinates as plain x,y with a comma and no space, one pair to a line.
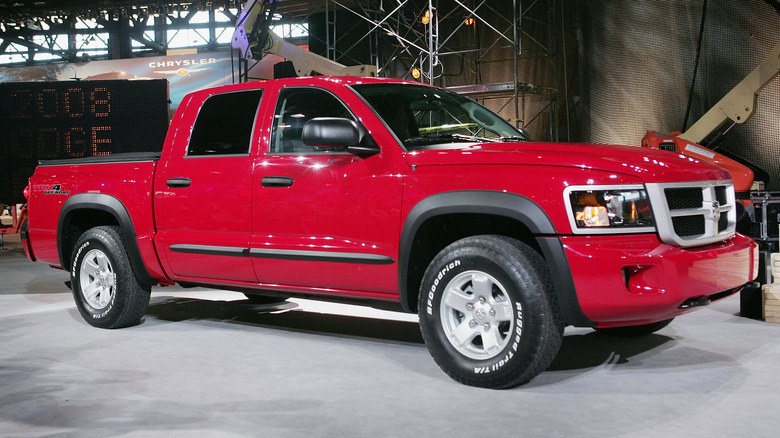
265,299
105,289
495,295
635,330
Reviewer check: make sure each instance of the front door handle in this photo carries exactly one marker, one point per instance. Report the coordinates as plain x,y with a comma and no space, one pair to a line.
277,181
179,182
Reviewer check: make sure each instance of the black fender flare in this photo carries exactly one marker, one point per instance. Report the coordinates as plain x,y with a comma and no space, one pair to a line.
510,205
114,207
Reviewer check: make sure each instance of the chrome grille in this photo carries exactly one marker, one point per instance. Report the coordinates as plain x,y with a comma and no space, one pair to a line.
688,225
694,214
723,223
683,198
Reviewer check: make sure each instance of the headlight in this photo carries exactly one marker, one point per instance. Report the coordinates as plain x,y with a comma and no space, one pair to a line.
610,209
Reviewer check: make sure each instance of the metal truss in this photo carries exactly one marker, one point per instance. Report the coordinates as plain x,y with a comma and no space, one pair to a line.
112,31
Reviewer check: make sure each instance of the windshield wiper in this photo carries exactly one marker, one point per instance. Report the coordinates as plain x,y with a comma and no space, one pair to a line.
457,137
513,138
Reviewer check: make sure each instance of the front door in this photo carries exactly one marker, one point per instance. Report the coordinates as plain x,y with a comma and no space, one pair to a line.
324,220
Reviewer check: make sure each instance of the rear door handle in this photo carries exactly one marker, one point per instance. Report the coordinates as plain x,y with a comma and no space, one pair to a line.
179,182
277,181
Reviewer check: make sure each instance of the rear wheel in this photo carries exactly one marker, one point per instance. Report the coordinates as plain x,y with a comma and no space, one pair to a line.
486,313
105,289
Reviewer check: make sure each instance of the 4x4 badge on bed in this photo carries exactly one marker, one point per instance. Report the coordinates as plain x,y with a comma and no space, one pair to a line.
56,189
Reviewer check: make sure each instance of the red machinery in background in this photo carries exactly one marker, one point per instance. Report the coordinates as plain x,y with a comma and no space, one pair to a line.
19,221
737,106
761,213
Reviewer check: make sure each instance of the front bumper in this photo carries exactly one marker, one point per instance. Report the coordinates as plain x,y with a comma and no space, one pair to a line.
626,280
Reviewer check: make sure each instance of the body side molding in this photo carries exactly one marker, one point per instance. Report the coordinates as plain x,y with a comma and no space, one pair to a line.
285,254
322,256
210,250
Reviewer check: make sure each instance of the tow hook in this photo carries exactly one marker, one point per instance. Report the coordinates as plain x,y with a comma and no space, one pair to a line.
695,302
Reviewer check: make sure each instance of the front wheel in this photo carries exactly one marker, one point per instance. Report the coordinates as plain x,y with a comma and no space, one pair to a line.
487,312
105,289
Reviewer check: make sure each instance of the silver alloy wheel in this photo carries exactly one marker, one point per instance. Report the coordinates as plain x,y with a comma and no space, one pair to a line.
97,280
477,315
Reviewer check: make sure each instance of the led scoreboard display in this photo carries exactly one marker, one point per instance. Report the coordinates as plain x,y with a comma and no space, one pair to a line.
54,120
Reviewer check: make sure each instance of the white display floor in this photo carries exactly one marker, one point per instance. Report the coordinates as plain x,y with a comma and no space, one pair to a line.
207,363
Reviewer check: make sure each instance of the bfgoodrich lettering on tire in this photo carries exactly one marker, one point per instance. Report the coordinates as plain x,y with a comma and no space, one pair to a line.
105,289
487,312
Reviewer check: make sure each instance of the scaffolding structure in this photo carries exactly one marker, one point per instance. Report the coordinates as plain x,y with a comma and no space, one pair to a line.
430,40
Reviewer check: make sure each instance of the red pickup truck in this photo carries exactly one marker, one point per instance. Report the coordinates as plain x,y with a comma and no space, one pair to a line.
379,190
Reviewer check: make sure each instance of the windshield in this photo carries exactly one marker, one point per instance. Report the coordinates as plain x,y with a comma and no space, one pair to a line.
424,117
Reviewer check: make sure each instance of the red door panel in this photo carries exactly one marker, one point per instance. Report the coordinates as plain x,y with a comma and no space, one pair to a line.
336,226
206,226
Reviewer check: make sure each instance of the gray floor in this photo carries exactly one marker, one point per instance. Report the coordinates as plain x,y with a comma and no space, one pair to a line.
207,363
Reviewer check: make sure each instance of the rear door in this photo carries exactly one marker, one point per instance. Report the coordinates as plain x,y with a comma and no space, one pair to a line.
205,193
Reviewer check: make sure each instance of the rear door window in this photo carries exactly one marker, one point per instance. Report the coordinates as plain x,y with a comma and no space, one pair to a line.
224,124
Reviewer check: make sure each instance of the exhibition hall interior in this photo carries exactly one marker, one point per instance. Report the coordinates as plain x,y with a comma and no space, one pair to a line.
304,218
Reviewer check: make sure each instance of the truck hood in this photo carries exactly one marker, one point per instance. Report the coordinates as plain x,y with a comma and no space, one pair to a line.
651,165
